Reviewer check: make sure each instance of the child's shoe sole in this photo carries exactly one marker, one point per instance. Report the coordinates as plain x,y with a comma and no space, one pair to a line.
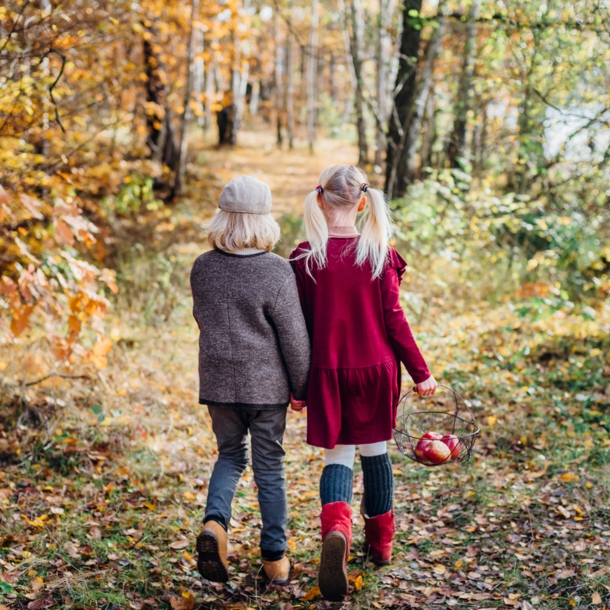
209,562
332,578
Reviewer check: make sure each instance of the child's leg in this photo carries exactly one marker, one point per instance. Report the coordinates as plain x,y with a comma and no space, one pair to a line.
337,481
378,497
267,429
336,486
231,429
378,478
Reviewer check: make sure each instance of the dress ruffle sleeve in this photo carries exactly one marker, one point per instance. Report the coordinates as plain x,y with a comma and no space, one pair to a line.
397,262
396,324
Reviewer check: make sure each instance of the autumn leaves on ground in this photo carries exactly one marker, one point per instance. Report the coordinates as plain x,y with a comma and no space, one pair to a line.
104,479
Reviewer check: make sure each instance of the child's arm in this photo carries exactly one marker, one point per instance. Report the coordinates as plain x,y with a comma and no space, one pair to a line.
292,333
400,334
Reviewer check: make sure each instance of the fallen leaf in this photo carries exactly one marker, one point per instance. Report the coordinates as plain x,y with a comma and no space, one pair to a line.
439,568
186,602
564,574
180,544
43,602
313,592
568,477
596,598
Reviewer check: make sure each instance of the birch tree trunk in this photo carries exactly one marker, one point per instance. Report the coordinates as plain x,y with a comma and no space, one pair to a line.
456,149
278,79
428,137
405,91
290,88
199,76
384,42
187,113
349,105
312,64
210,91
357,23
333,78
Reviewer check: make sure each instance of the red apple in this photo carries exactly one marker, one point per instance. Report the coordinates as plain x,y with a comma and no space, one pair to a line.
453,442
437,452
424,442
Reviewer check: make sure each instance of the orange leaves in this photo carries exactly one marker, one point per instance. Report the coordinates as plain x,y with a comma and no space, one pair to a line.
185,602
63,233
311,594
42,281
21,318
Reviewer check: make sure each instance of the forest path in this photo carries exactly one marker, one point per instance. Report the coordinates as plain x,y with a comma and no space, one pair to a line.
291,174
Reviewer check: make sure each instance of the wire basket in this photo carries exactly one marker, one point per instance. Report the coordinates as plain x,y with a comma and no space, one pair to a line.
452,424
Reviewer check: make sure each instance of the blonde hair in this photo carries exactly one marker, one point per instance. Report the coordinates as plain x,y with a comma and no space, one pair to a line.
232,231
342,188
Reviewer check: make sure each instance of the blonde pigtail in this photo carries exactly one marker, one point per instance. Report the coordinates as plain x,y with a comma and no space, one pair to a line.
316,230
376,230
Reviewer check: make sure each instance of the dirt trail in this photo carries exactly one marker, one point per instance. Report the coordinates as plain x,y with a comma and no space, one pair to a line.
289,173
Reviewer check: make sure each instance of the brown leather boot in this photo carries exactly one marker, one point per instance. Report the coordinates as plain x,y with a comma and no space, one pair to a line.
212,552
278,572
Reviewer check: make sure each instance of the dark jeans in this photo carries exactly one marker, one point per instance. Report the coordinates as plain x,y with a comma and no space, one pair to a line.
266,427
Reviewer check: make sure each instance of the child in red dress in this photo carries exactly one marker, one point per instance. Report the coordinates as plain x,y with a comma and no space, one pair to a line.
348,284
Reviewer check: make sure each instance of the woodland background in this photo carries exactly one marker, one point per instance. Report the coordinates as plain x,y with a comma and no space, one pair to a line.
488,126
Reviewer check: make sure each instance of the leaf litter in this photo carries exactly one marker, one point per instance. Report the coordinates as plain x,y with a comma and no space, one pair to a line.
102,512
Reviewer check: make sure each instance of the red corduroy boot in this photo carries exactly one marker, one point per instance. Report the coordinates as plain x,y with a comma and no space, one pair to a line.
378,533
337,540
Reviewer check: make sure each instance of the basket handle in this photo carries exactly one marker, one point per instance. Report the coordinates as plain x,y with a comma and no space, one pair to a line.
456,396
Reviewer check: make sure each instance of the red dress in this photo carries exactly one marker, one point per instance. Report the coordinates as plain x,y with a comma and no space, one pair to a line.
359,335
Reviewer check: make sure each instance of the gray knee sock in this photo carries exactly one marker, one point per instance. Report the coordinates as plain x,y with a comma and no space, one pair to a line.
336,484
378,484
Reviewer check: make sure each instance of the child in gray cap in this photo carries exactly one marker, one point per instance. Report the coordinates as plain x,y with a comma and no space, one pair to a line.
254,357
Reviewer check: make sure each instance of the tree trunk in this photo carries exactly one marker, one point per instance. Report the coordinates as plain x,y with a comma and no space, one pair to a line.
210,91
480,144
226,121
384,42
255,97
428,135
290,88
333,78
349,104
278,79
311,75
357,23
199,77
456,149
396,160
161,139
187,113
229,118
419,107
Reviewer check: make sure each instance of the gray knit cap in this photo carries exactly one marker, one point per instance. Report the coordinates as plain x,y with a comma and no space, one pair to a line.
246,195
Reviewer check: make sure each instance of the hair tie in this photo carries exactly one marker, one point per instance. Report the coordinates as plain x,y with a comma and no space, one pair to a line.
364,187
319,189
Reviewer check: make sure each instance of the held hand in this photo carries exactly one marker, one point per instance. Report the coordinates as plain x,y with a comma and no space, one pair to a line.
426,388
297,405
